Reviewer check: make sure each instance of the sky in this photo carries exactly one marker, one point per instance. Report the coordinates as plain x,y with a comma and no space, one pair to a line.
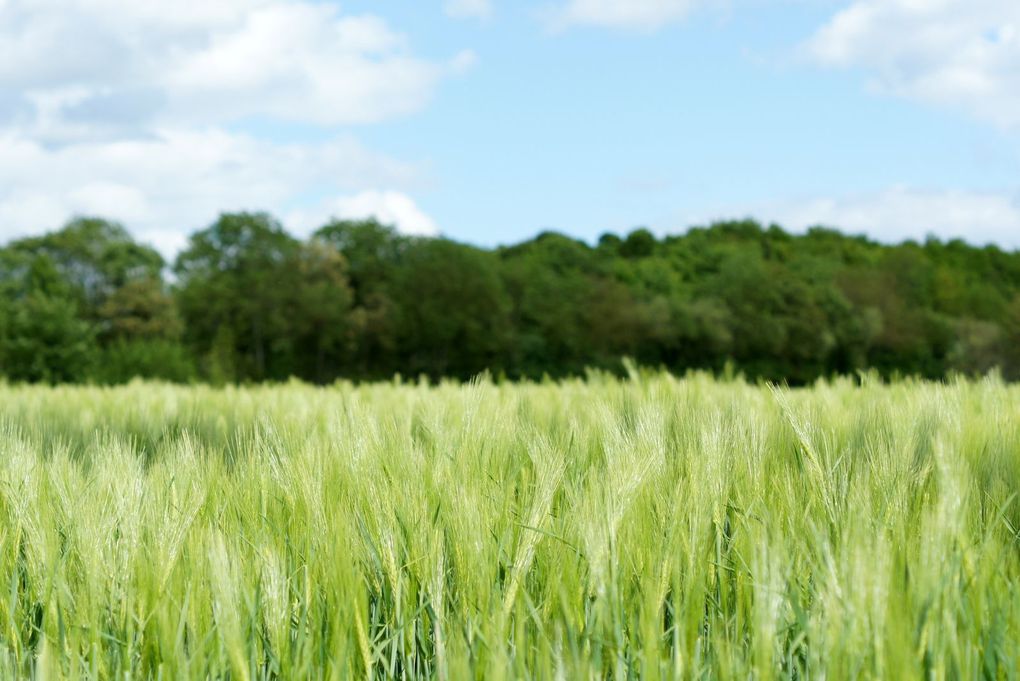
488,121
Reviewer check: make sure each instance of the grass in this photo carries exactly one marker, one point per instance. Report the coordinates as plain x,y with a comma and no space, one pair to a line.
654,528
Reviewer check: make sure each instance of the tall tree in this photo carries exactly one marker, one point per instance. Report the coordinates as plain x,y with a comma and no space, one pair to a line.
233,282
322,301
454,312
373,253
42,335
95,257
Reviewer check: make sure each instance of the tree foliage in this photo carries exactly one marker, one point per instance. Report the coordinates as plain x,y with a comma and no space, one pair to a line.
247,301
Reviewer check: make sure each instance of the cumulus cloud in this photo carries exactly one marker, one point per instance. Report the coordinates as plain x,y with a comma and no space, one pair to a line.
900,213
129,108
963,54
468,9
627,14
177,180
388,207
304,63
295,60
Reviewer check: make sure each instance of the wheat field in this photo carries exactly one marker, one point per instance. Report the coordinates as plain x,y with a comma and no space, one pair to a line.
655,527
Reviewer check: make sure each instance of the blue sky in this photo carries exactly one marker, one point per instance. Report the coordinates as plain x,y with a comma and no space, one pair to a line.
488,121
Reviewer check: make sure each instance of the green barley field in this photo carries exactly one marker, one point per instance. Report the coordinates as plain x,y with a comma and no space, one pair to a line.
655,527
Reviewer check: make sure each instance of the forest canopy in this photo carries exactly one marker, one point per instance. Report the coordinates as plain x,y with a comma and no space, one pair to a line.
247,301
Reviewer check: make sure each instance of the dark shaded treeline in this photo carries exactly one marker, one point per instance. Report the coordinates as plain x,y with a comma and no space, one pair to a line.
249,302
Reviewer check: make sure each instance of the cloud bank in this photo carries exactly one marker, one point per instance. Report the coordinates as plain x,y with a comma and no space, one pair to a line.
961,54
135,109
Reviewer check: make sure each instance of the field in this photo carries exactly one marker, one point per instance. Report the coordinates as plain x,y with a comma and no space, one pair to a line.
654,527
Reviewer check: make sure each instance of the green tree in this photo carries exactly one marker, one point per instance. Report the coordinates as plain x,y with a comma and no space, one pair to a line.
639,244
373,253
140,309
324,321
548,280
234,281
95,257
454,312
42,336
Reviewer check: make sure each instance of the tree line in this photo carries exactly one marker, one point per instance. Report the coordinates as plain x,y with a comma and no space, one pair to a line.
247,301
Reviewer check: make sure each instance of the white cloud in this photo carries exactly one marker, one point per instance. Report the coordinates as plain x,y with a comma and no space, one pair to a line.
463,9
388,207
302,62
177,181
963,54
900,213
295,60
628,14
128,109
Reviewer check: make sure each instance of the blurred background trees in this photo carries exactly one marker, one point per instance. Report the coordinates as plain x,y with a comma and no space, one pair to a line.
247,301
